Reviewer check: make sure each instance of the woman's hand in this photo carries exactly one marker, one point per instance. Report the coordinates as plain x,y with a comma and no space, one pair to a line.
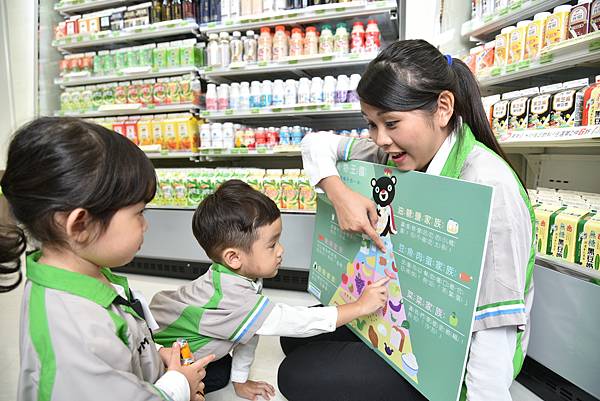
355,213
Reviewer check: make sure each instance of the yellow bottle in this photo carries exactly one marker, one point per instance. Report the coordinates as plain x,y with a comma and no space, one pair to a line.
516,49
556,25
501,50
535,36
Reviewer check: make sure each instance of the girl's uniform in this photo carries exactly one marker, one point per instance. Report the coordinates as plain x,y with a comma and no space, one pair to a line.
78,344
500,330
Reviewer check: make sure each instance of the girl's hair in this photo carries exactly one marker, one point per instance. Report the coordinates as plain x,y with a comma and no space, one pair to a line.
58,164
411,74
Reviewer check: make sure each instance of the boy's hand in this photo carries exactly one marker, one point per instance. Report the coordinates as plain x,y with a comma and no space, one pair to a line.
194,373
165,355
251,390
373,297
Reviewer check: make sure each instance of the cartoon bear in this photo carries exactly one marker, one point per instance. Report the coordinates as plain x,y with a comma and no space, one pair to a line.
384,189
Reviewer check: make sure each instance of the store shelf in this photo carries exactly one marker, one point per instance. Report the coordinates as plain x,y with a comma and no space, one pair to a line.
73,7
132,109
296,63
171,155
279,151
299,16
482,29
552,137
109,38
278,112
283,211
579,51
126,75
563,266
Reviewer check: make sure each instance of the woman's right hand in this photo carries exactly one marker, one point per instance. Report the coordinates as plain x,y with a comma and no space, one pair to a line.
355,213
194,373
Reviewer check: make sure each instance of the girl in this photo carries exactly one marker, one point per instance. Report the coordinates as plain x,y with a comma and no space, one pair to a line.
424,113
80,190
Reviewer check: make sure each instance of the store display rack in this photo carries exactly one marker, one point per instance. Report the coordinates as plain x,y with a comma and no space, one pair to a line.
283,211
291,111
66,7
563,266
132,109
209,154
484,28
553,137
130,74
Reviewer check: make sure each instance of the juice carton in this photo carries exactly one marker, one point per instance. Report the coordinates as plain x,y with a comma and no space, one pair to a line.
567,105
97,96
145,90
206,184
119,125
167,191
568,225
540,108
595,16
159,92
289,189
173,54
485,58
133,92
501,49
157,200
590,244
179,188
157,131
579,20
545,215
131,129
255,179
121,92
272,185
535,36
188,53
192,183
516,47
186,94
159,55
472,62
173,91
519,109
307,199
187,129
170,134
591,104
556,25
145,131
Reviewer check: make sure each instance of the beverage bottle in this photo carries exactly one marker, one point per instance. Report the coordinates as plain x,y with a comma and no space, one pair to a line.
213,51
237,47
296,42
257,7
280,43
224,49
316,90
352,95
268,6
189,10
234,11
329,89
357,40
372,37
264,44
341,89
291,92
177,9
266,94
260,138
284,136
341,40
228,136
156,11
239,137
272,137
278,92
205,136
249,139
222,97
326,40
311,41
255,94
167,14
250,47
304,91
216,134
244,96
234,96
211,97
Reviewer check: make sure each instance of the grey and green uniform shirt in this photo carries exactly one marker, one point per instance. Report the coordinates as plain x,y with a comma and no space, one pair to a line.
77,345
213,313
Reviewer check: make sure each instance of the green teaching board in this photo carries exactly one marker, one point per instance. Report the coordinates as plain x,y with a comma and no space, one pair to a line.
435,232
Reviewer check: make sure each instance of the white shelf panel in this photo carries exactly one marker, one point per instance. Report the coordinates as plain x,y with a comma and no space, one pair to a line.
124,76
74,7
298,16
553,137
132,109
171,155
302,63
567,54
295,111
567,267
279,151
283,211
153,31
483,28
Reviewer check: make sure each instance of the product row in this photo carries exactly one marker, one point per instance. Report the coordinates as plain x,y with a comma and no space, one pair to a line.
161,91
231,136
246,95
526,40
561,105
157,56
568,226
223,49
289,189
118,19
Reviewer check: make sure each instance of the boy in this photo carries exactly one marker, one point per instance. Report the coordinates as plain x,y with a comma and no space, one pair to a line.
224,310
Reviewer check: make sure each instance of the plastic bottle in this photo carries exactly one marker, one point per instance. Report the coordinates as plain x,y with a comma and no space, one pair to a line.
211,97
244,96
260,138
224,49
234,96
557,25
280,43
372,37
205,136
326,40
216,135
254,94
296,40
304,91
278,92
236,47
311,41
213,51
341,88
250,47
329,84
535,36
264,44
266,94
222,97
291,92
316,90
284,136
296,135
341,43
357,40
228,136
352,95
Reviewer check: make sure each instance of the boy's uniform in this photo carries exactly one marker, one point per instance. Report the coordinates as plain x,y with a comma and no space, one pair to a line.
223,311
77,343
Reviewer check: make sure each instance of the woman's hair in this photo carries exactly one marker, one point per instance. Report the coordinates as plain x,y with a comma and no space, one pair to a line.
59,164
411,74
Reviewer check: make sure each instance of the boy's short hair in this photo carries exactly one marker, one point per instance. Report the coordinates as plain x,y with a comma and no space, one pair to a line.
230,218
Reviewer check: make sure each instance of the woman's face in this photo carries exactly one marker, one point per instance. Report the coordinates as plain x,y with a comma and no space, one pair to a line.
411,138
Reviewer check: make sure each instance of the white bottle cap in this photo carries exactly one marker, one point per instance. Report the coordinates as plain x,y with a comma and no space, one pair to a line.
562,9
508,29
524,23
250,33
224,35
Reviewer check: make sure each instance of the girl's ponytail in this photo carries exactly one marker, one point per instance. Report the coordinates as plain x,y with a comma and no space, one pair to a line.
12,245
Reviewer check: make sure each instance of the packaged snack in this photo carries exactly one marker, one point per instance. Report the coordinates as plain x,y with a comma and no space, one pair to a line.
579,19
590,244
556,25
591,104
535,36
289,189
595,16
568,226
545,215
502,46
540,108
567,105
516,48
307,197
272,185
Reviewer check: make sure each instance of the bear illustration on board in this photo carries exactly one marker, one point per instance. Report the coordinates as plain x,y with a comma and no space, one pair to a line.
384,190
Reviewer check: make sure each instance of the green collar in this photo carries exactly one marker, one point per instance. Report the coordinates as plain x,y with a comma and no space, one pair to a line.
74,283
225,270
464,144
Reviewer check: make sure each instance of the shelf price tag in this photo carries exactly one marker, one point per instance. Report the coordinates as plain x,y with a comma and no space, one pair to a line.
346,106
261,151
327,58
262,63
205,113
229,112
278,17
299,108
244,151
326,107
319,12
276,110
68,39
523,65
340,9
546,58
594,45
229,22
217,151
487,19
496,71
504,11
255,110
516,5
295,61
511,68
294,15
212,24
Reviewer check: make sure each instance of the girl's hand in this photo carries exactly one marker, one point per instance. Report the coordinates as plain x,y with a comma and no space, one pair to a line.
355,212
194,373
252,389
373,297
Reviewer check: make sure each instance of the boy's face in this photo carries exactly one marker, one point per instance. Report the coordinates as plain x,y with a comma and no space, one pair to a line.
264,259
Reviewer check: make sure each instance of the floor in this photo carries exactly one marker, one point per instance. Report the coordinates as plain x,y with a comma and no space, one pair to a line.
268,355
